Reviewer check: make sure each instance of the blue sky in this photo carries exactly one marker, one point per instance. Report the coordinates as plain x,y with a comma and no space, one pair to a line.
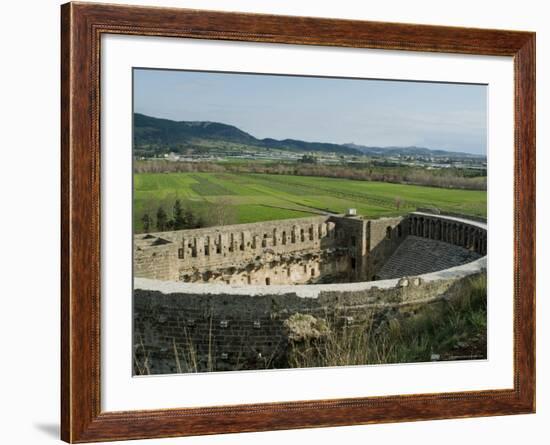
367,112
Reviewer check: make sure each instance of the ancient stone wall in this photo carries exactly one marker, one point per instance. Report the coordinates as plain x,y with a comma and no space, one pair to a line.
384,236
459,231
190,327
194,328
314,250
304,250
156,261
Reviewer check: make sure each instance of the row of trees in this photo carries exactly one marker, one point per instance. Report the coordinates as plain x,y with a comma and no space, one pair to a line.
186,217
180,219
445,178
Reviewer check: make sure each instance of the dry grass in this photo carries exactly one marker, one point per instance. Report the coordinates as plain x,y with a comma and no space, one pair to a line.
447,330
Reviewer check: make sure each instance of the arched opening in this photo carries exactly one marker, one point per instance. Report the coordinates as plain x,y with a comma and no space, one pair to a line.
388,232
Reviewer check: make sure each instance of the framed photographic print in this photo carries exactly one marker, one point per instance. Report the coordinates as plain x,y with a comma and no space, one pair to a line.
276,222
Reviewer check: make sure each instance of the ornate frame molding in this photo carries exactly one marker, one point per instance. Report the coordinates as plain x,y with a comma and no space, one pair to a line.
82,25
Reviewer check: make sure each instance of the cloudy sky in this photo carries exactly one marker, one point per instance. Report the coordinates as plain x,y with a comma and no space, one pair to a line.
366,112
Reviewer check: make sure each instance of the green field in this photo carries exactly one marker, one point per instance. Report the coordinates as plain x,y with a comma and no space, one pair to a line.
262,197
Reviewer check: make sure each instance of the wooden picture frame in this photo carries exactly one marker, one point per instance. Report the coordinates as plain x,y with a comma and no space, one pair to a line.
82,26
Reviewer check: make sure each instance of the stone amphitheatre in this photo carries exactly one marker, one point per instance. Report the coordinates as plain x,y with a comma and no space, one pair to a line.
221,298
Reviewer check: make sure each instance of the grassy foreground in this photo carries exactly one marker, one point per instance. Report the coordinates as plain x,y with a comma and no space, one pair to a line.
443,331
254,197
455,330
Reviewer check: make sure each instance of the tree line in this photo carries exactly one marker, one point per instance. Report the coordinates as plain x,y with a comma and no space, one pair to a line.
444,177
181,218
186,217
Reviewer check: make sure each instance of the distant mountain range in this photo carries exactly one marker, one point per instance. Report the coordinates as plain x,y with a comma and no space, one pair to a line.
410,151
151,132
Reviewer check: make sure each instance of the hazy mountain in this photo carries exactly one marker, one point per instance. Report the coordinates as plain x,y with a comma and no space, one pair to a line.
151,133
410,151
153,130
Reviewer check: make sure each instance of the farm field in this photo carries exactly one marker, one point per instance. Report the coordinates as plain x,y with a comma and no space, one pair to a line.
257,197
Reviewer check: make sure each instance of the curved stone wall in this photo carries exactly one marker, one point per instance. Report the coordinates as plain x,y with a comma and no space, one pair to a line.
455,230
189,327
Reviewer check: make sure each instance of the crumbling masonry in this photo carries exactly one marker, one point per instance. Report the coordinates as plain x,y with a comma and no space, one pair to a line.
322,249
221,296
